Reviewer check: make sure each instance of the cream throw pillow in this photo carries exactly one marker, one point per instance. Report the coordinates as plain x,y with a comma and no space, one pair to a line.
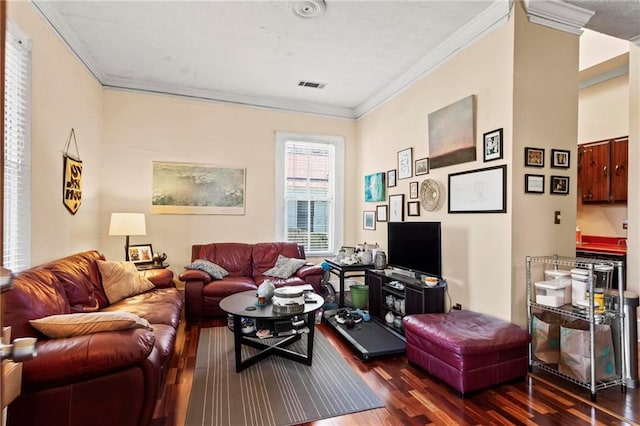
69,325
121,280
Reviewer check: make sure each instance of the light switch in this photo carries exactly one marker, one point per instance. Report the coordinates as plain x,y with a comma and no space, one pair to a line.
557,217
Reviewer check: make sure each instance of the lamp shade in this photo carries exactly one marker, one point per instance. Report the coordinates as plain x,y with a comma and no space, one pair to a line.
127,224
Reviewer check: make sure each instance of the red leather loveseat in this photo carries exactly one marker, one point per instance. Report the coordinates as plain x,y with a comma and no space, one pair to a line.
103,378
246,264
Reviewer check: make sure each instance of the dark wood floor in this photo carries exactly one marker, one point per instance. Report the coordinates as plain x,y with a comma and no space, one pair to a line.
412,397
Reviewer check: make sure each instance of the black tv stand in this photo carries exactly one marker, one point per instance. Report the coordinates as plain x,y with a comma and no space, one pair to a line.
416,297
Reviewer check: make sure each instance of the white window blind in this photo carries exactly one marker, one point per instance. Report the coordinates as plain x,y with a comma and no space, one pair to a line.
17,151
309,195
309,185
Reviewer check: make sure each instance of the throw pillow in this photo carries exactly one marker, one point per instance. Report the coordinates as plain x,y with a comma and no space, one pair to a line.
121,280
69,325
285,267
216,271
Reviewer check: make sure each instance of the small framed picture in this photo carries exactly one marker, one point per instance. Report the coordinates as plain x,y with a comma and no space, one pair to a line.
405,163
492,145
559,185
396,208
141,254
534,184
422,166
391,178
413,208
382,213
369,220
560,158
413,190
534,157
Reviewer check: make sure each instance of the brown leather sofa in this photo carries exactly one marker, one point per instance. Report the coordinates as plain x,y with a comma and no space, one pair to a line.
246,264
105,378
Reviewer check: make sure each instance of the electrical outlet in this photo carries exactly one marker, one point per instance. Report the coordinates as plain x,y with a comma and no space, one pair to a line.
624,224
457,307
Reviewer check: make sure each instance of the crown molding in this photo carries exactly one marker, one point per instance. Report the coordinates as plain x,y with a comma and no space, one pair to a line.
558,15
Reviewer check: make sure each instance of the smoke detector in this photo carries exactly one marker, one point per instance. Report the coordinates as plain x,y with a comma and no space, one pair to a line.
307,8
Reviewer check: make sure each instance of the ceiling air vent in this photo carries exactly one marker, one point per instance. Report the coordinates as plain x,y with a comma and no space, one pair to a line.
307,8
312,84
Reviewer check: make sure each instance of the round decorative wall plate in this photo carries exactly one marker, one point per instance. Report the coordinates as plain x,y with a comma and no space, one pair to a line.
430,194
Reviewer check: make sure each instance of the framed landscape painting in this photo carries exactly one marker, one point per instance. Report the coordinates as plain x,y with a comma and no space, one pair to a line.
452,138
188,188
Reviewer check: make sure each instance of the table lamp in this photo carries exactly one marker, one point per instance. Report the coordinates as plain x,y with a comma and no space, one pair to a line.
127,224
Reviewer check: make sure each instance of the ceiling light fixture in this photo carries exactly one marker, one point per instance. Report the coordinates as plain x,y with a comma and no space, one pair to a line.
308,8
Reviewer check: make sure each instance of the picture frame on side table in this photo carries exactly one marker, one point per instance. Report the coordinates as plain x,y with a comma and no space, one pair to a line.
405,163
382,213
413,190
369,220
560,158
534,157
391,178
141,254
396,208
422,166
478,191
492,145
559,185
534,184
413,208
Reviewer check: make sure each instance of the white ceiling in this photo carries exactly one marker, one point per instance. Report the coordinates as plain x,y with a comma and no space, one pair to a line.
255,52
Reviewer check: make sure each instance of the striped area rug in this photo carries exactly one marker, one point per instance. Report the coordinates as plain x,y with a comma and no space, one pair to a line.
275,391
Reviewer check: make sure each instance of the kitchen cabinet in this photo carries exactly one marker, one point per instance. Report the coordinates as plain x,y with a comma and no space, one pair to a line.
602,171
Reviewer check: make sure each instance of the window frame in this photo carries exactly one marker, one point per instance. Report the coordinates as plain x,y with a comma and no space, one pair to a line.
338,204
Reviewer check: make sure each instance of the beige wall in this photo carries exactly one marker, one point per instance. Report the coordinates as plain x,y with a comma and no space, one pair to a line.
64,96
478,277
545,116
633,235
141,128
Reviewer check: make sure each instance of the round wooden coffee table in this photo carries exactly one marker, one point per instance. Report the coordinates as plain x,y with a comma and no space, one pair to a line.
243,305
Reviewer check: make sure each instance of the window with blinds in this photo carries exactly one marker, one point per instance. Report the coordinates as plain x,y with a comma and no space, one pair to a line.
17,151
309,191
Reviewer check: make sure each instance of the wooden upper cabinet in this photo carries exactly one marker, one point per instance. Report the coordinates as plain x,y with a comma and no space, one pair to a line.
619,166
602,173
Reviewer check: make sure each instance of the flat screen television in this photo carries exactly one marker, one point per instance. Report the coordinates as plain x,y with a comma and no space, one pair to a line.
415,246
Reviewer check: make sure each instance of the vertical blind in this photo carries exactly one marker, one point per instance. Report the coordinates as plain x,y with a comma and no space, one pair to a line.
309,195
17,152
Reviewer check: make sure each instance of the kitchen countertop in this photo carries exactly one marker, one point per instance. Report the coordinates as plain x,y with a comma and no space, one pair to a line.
594,243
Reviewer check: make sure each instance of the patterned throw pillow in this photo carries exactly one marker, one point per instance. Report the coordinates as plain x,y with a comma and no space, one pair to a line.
216,271
285,267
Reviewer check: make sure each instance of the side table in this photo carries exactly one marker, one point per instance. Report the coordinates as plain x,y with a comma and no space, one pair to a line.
346,271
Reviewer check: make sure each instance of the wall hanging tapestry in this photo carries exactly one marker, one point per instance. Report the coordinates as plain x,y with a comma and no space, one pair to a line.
72,179
183,188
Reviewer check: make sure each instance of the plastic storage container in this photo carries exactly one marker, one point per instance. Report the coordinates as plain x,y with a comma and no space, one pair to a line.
553,292
579,284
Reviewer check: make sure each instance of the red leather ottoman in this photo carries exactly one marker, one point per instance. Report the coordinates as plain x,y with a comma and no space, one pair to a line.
467,350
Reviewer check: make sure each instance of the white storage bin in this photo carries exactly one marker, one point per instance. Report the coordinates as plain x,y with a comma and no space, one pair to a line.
555,292
579,278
